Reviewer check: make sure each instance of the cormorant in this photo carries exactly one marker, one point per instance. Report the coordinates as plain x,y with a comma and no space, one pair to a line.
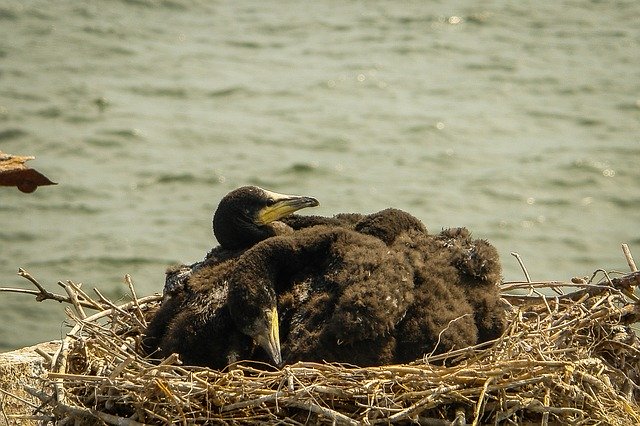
457,299
243,217
193,319
456,296
197,324
365,289
250,214
340,294
386,225
479,272
392,294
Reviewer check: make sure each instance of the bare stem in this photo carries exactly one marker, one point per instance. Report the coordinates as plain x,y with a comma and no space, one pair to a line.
627,255
41,293
524,268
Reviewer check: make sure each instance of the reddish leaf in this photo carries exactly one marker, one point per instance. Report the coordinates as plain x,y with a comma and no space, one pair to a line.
13,172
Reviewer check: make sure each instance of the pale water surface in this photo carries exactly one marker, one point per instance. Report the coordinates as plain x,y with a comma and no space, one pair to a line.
519,120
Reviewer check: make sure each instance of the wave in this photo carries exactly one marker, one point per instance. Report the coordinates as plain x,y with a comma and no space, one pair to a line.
104,261
13,133
161,91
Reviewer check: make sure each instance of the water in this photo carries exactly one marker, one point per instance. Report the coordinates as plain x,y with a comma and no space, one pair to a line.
519,120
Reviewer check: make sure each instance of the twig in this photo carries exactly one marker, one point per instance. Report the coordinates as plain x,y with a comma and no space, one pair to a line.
627,255
44,398
85,296
41,293
79,412
74,300
333,415
171,359
539,408
460,419
254,402
517,285
4,415
524,268
167,392
479,404
120,368
36,417
127,280
109,303
526,273
418,406
35,282
432,421
59,365
24,401
48,358
440,334
619,284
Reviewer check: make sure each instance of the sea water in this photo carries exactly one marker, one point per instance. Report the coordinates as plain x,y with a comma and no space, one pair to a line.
519,120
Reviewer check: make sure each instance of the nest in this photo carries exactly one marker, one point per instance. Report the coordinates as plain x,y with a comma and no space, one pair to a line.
568,358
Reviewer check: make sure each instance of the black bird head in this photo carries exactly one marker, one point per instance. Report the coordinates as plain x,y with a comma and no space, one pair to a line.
253,307
245,216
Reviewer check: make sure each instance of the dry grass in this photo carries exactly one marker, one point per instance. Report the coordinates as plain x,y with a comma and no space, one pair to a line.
569,358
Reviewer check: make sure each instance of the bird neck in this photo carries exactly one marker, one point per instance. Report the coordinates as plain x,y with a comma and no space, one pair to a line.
240,235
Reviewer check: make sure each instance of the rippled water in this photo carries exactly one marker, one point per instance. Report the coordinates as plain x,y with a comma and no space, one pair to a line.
520,120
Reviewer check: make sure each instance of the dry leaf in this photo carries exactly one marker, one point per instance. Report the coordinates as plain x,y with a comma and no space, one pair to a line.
14,172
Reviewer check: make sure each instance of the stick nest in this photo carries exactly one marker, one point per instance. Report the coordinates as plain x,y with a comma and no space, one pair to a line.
570,358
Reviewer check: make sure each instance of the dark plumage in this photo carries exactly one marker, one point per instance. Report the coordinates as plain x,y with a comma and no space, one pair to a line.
337,289
395,290
389,224
479,271
194,319
197,324
457,303
385,225
243,217
249,214
364,289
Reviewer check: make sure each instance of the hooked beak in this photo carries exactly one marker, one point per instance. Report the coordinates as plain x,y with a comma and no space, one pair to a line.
284,205
269,340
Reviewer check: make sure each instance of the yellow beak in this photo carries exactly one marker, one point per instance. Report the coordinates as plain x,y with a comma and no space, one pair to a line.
284,205
270,341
